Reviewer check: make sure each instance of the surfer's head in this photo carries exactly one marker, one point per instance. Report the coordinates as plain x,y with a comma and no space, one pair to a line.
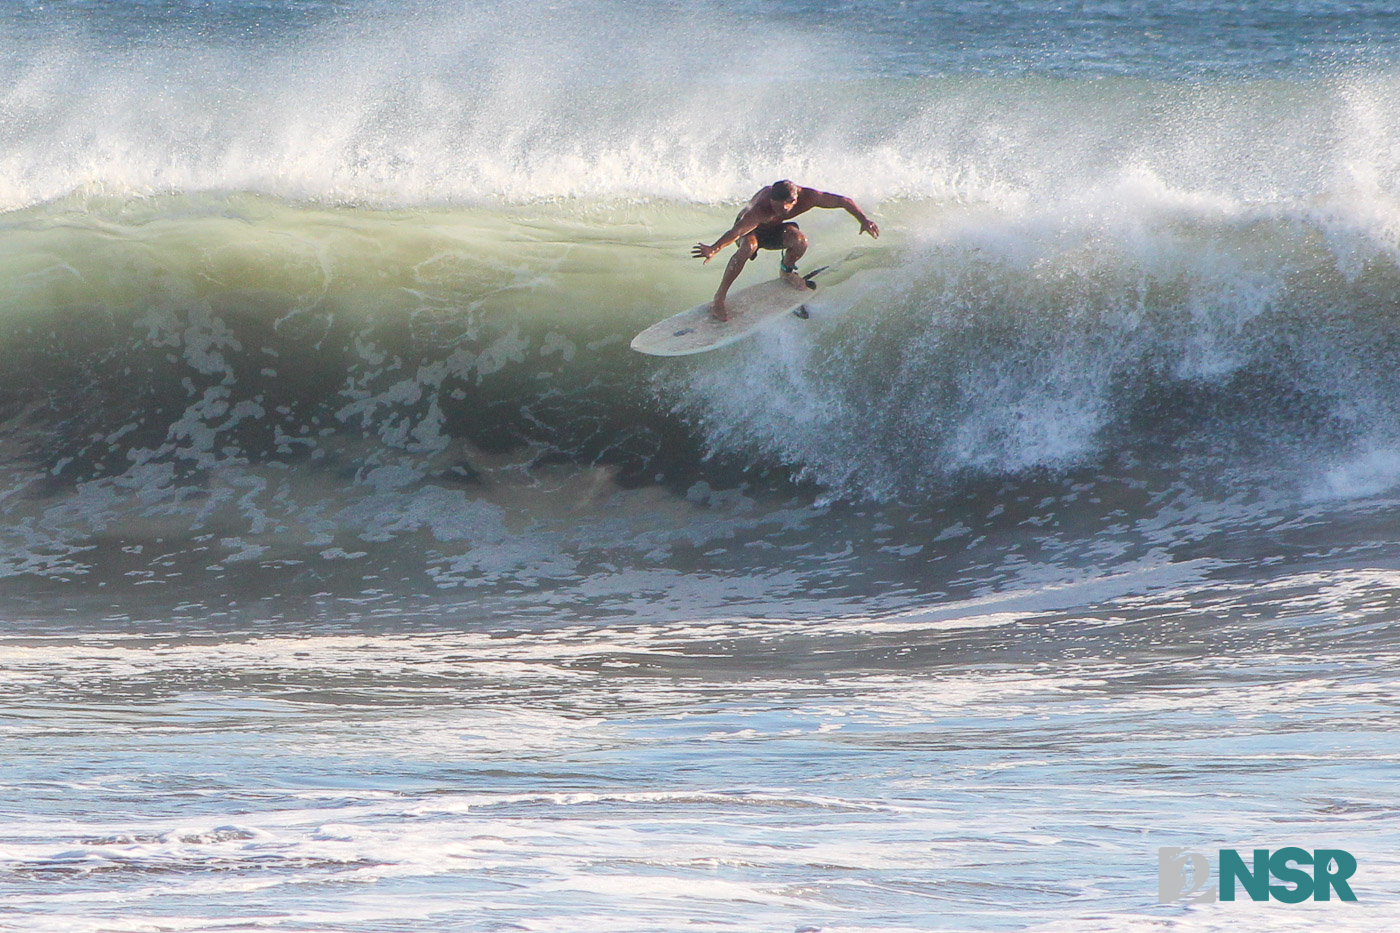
783,192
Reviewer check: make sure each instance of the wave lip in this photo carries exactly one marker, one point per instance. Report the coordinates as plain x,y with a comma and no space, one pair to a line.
432,105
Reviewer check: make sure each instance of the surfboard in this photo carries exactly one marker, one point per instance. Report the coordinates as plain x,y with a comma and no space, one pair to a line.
697,331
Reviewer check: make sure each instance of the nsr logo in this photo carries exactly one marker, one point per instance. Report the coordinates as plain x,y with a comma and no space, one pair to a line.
1331,869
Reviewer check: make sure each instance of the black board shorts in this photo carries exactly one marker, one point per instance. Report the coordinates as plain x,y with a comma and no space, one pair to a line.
770,236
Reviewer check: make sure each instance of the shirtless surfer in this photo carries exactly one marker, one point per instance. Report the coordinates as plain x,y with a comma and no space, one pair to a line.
766,224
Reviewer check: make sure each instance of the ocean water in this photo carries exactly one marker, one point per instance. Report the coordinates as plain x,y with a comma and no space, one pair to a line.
355,576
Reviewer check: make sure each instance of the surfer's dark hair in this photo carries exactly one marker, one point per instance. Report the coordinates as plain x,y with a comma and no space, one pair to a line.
783,191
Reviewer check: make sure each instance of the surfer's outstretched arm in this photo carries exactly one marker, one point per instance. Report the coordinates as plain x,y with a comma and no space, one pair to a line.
743,226
829,200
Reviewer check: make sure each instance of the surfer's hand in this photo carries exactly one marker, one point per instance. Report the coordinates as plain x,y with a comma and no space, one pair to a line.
701,251
868,226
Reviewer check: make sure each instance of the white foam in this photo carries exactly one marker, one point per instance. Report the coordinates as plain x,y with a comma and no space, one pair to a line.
1363,475
426,103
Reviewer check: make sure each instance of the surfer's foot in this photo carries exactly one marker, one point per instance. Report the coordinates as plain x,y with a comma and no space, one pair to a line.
718,311
795,280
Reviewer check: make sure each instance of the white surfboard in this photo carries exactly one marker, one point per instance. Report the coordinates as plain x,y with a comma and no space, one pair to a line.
696,330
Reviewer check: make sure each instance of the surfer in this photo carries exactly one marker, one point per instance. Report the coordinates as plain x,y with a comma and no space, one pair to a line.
766,224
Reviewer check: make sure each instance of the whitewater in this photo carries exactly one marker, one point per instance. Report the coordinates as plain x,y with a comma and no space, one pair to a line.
356,576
